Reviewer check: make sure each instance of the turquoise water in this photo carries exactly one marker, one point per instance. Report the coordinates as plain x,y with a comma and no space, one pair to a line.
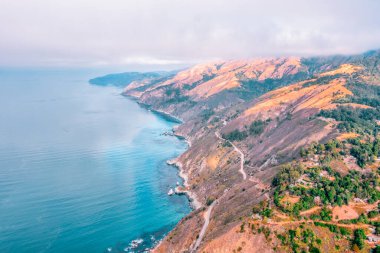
82,169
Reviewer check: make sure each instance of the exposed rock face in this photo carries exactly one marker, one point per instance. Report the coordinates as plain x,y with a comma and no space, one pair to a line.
283,94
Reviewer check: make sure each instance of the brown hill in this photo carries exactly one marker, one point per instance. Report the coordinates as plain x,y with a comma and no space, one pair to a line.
267,109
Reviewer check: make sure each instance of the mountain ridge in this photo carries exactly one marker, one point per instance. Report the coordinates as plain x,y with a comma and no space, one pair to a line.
272,110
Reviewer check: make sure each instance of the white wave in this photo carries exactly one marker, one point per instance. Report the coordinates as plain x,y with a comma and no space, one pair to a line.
134,244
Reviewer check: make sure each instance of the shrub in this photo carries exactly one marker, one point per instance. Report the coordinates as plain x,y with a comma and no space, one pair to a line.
314,250
358,239
235,135
257,127
210,200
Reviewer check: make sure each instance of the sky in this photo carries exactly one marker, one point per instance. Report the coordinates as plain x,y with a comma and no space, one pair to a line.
166,33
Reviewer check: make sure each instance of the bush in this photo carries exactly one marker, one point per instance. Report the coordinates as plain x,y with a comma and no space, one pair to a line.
235,135
358,239
257,127
344,231
267,212
354,119
288,174
210,200
314,250
325,214
333,228
337,192
206,114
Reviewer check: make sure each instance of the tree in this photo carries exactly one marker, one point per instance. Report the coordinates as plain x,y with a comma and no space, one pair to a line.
235,135
320,148
303,152
375,148
257,127
358,240
314,250
377,229
339,200
325,214
331,195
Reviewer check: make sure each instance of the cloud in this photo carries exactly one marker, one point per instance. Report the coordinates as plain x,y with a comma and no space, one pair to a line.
170,32
146,60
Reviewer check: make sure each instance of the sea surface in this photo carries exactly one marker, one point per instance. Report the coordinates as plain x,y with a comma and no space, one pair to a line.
82,168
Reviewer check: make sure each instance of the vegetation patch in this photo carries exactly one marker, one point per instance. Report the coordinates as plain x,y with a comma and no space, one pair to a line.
357,120
326,192
321,80
256,128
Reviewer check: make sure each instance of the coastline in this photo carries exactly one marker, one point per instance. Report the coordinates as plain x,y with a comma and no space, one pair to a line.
195,204
161,113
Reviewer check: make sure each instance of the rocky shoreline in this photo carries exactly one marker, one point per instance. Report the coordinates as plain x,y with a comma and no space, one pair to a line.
192,197
195,203
161,113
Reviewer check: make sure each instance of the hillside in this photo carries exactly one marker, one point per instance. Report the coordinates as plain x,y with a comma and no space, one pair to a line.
283,152
124,79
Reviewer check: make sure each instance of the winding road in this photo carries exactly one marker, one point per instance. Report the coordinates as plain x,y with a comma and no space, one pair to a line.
242,158
207,214
204,227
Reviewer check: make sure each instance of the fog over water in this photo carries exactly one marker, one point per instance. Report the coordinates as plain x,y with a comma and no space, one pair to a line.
174,33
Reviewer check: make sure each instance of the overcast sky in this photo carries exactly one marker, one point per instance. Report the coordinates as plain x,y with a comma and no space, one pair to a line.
170,32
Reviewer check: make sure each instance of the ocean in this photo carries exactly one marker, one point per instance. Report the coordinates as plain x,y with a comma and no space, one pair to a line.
82,168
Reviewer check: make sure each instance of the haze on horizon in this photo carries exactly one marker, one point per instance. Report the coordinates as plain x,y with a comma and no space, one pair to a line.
166,33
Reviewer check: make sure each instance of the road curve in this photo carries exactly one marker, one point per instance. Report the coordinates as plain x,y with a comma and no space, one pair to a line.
207,214
204,227
242,157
